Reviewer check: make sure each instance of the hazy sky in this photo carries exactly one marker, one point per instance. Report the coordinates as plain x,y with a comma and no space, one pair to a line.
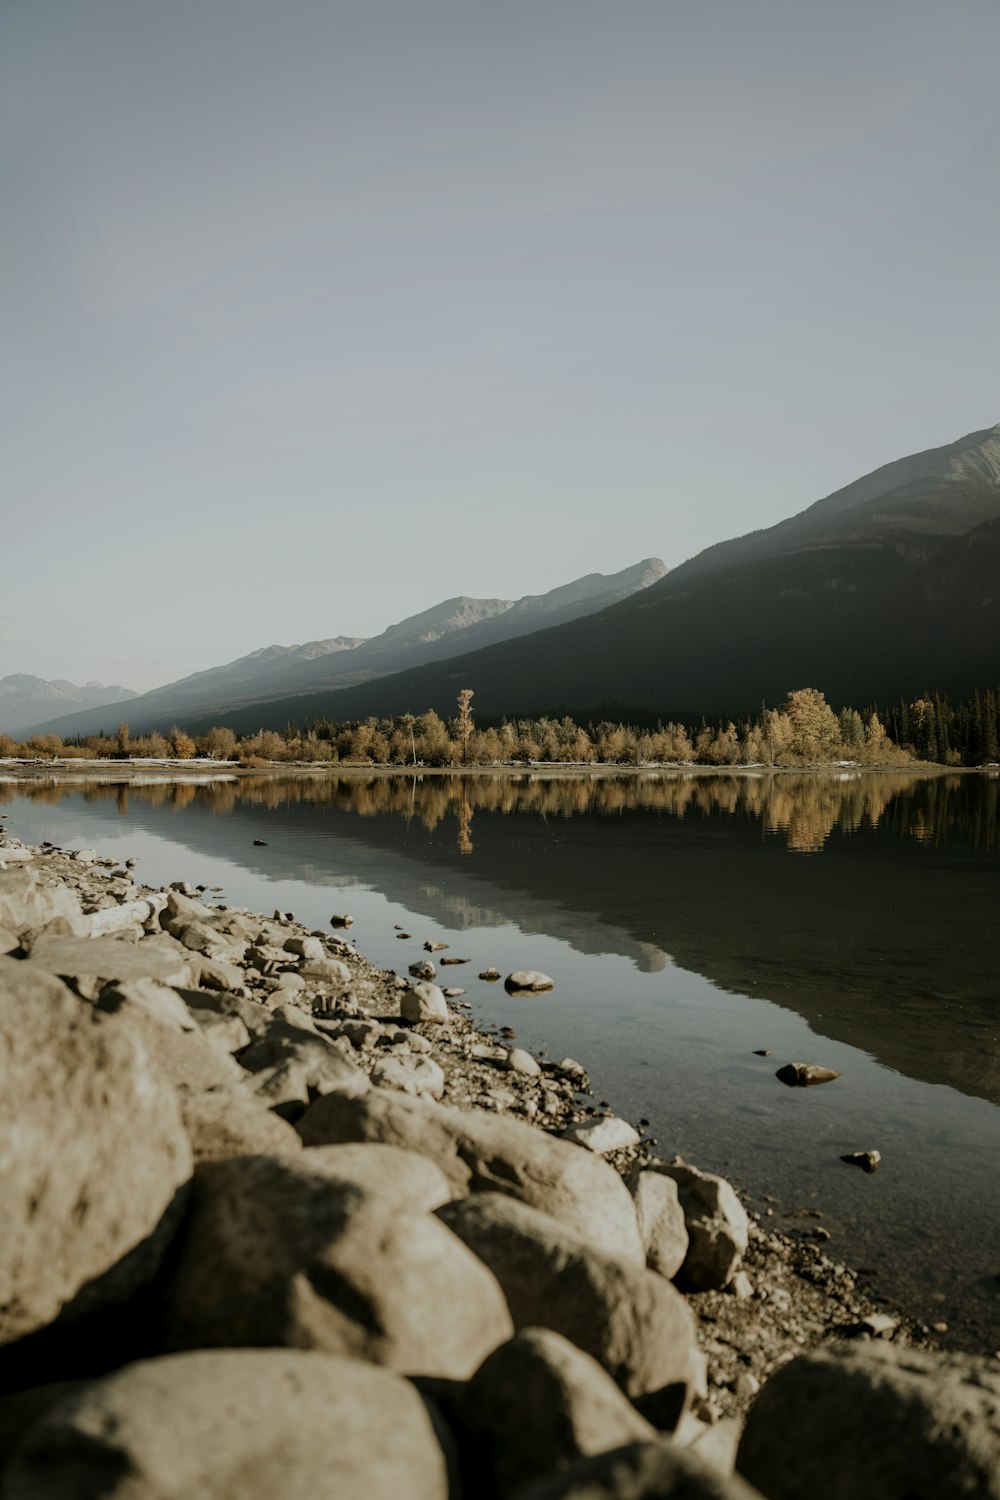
315,312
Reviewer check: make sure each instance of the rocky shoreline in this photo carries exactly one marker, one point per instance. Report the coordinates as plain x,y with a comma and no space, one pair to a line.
279,1222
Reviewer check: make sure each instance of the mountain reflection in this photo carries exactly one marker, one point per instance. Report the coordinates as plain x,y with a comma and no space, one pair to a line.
803,808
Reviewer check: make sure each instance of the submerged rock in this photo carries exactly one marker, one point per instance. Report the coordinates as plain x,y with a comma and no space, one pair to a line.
805,1075
527,981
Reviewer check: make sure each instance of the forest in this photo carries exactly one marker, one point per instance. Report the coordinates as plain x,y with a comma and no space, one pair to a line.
805,730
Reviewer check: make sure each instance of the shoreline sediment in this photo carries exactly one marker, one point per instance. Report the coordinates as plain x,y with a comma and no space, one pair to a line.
284,1045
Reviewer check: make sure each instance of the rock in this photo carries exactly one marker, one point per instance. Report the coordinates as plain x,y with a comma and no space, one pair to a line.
281,1251
423,969
523,980
28,906
867,1160
717,1225
878,1324
95,1155
410,1182
227,1032
520,1061
257,1019
602,1133
9,940
130,914
741,1287
871,1421
306,947
217,973
423,1002
633,1322
322,1067
91,963
414,1075
341,919
229,1122
454,960
432,947
150,997
329,971
660,1217
640,1471
805,1075
480,1151
289,980
537,1403
252,1423
190,1059
490,975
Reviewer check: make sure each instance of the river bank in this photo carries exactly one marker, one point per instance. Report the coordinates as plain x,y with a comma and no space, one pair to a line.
283,1048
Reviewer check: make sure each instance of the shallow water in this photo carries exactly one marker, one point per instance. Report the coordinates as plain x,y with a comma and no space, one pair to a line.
850,920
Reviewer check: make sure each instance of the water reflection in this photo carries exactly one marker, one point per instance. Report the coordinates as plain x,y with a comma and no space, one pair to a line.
805,808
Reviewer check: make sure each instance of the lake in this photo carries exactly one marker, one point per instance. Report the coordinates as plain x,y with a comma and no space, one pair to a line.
689,922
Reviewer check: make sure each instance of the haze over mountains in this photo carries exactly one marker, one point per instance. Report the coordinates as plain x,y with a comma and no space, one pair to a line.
888,587
24,699
243,689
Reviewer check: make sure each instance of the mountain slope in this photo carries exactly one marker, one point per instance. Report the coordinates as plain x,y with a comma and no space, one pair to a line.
891,585
245,691
24,698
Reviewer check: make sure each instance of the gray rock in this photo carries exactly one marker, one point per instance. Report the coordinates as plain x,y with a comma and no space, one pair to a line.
188,1058
91,963
341,919
285,1252
805,1075
414,1075
322,1066
217,973
490,975
110,919
410,1182
28,906
640,1471
229,1122
717,1225
95,1154
253,1423
538,1403
602,1133
423,1001
660,1217
306,947
227,1032
867,1160
480,1151
331,972
866,1423
423,969
634,1323
151,998
257,1018
528,980
520,1061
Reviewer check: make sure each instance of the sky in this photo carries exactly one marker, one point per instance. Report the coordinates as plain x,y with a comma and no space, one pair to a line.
316,312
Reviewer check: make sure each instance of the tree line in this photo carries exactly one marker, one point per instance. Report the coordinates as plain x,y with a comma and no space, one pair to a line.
804,730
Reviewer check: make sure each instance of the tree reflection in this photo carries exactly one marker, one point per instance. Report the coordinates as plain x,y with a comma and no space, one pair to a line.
804,808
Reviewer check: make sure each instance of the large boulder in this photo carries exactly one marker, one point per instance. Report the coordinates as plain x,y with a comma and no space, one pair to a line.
662,1227
483,1152
717,1225
632,1321
640,1471
227,1122
412,1183
866,1423
93,1150
253,1423
536,1404
314,1060
27,906
286,1252
88,964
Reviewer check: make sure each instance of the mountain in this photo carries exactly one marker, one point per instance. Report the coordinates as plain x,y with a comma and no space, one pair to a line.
23,698
889,586
243,691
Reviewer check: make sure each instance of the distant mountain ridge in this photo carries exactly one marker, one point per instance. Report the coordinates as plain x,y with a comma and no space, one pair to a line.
247,687
889,586
24,697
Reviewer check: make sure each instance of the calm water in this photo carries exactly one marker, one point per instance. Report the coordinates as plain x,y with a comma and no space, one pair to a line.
847,920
